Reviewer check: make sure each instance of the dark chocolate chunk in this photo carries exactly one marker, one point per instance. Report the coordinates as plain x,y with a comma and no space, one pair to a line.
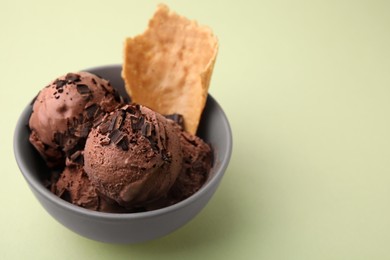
176,118
72,78
83,89
146,129
94,81
98,119
103,127
91,111
117,120
112,122
116,136
124,143
60,83
137,122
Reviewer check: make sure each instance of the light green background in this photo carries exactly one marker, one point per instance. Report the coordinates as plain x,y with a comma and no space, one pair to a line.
306,86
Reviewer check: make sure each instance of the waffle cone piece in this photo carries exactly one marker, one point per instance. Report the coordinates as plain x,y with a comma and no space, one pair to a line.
168,68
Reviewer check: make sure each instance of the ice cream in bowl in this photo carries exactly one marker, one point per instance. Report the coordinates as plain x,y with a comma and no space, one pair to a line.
121,156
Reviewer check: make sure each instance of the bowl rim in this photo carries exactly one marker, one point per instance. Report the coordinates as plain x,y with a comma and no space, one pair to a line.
38,187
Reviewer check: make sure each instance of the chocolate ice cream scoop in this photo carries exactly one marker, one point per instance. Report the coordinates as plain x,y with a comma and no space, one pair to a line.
65,111
134,156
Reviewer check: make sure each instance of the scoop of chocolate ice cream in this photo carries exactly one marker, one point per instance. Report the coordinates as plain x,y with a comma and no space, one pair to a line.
65,111
134,156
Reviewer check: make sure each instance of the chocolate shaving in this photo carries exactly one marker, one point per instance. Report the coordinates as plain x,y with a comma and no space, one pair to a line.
83,89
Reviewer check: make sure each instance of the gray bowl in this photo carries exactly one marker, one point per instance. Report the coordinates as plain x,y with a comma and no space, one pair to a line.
129,227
